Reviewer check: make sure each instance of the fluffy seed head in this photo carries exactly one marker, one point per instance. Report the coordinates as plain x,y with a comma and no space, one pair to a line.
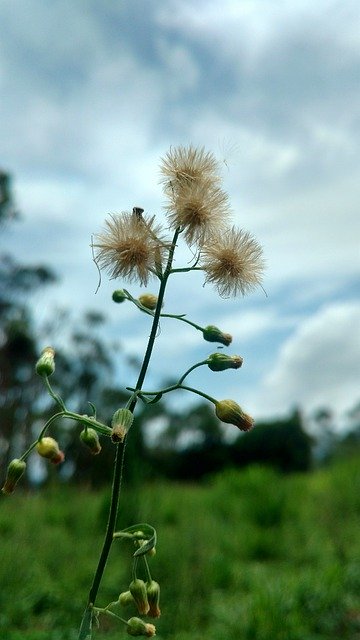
187,165
129,247
200,209
233,262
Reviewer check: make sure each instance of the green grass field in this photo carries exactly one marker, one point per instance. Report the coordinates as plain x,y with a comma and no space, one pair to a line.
251,555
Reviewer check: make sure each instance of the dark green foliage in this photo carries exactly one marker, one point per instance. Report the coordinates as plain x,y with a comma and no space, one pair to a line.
281,443
252,554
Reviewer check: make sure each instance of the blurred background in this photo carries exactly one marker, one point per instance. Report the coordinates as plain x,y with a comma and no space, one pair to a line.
92,95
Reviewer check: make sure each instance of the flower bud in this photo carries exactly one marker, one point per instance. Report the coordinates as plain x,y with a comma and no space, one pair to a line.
45,366
119,296
153,595
230,412
120,424
220,362
49,448
137,589
15,470
136,627
90,439
148,300
213,334
125,598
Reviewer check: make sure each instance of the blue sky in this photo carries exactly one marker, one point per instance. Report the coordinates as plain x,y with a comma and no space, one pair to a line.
93,93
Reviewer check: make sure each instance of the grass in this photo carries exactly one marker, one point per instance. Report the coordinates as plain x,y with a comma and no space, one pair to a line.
251,555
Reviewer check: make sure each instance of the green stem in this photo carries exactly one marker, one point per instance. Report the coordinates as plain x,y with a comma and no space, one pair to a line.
147,569
119,458
173,387
198,364
199,393
54,396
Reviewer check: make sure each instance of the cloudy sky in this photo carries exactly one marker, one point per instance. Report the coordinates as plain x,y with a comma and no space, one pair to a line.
93,93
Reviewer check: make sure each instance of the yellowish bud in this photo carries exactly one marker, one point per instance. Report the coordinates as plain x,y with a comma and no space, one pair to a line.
220,362
136,627
213,334
120,424
45,366
90,439
137,589
48,448
230,412
15,470
153,595
125,598
148,300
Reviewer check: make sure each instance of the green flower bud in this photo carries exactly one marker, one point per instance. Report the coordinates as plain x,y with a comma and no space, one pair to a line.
213,334
220,362
153,595
137,589
148,300
90,439
230,412
15,470
49,448
120,424
136,627
45,366
119,296
125,598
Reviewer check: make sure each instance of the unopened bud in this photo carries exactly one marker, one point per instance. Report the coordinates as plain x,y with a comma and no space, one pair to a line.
120,424
220,362
45,366
137,589
125,598
230,412
119,296
136,627
15,470
148,300
213,334
48,448
90,439
153,595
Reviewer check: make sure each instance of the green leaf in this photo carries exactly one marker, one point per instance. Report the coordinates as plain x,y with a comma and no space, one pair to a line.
147,532
86,625
156,399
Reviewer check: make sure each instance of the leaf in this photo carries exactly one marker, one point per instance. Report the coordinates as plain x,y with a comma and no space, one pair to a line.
148,532
86,625
156,399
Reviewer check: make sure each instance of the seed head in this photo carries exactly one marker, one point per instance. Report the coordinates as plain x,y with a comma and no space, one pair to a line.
129,247
233,262
183,166
200,209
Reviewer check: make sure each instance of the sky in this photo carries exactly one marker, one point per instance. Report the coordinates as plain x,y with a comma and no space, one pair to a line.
93,94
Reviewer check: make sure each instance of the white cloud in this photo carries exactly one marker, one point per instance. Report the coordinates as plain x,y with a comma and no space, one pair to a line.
319,364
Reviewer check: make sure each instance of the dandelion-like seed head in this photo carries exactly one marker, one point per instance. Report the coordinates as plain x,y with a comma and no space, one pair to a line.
185,165
199,209
233,262
129,247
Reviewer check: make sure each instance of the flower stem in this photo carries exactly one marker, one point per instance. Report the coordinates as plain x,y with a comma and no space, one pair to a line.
120,449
